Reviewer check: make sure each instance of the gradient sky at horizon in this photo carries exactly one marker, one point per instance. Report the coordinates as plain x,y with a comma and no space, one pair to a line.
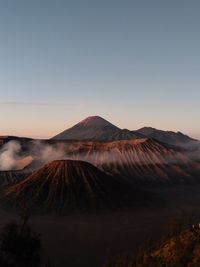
133,62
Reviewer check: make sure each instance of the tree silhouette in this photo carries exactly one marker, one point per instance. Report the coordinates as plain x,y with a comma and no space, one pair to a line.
19,245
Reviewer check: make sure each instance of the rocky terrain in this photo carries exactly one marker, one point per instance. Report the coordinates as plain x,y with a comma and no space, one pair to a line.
66,185
140,160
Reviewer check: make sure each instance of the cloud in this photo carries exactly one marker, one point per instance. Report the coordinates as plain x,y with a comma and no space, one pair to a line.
30,103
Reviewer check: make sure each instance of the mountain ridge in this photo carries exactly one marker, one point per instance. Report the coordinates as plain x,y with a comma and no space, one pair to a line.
96,128
169,137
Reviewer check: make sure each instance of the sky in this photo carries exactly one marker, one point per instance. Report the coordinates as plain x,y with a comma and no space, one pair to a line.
134,62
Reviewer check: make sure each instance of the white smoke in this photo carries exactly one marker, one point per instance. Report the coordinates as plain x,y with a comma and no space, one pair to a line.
46,153
10,159
42,152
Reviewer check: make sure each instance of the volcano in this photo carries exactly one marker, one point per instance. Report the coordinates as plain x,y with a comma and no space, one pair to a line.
65,185
140,160
95,128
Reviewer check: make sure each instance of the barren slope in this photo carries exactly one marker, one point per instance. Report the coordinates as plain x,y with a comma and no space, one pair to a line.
66,184
95,128
139,160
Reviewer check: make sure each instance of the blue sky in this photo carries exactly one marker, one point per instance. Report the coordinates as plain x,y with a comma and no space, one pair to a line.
134,62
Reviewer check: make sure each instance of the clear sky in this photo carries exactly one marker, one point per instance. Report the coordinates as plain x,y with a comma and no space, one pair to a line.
133,62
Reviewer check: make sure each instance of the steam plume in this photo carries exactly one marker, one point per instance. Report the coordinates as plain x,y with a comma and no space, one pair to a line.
10,159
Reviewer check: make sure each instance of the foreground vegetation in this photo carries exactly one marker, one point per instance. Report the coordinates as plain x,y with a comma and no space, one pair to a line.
180,250
20,246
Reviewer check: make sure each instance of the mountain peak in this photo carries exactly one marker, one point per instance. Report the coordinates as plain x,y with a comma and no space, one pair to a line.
93,128
95,121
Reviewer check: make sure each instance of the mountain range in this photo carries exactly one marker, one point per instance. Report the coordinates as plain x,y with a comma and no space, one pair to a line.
139,160
95,128
94,165
144,155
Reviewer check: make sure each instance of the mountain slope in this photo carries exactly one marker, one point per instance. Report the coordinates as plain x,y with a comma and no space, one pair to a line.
141,160
70,185
95,128
168,137
12,177
180,250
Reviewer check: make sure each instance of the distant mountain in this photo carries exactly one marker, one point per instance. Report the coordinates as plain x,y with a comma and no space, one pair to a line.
22,140
168,137
65,185
95,128
140,160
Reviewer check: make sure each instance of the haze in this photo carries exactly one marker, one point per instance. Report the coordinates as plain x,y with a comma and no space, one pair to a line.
136,63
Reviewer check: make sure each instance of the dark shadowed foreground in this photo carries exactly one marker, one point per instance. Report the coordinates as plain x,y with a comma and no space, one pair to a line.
89,240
